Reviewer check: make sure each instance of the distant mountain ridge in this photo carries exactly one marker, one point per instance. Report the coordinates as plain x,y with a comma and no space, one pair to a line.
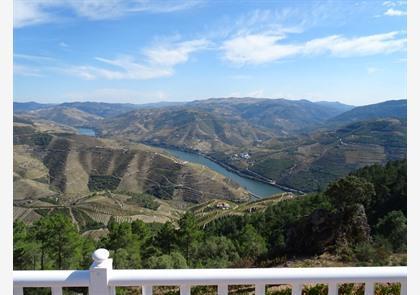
388,109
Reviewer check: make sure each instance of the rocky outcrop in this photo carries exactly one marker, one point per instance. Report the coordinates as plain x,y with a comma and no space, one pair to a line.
315,233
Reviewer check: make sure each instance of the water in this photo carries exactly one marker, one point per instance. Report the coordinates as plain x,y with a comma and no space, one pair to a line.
257,188
86,131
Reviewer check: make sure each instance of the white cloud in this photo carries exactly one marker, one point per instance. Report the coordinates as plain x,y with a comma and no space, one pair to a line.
389,3
258,49
173,54
23,70
157,62
125,69
256,93
394,3
117,94
32,12
395,12
357,46
33,58
372,70
63,44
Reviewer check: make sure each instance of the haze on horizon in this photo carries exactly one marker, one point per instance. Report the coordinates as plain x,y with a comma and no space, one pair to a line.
152,51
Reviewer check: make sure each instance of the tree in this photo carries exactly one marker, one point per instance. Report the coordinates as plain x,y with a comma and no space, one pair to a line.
188,233
59,240
215,252
175,260
250,243
166,238
25,249
393,227
350,190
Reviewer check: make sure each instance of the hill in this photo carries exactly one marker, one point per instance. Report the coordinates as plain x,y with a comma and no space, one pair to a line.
388,109
19,107
101,109
103,178
188,128
310,163
63,115
281,116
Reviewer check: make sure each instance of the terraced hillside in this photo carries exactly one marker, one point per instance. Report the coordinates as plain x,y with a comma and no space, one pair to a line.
193,129
94,179
217,208
63,115
311,162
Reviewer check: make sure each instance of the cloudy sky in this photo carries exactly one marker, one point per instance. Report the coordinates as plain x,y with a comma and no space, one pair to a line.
144,51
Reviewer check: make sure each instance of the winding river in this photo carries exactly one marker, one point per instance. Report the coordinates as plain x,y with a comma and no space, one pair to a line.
257,188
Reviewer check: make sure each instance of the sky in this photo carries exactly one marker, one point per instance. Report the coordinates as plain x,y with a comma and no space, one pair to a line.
143,51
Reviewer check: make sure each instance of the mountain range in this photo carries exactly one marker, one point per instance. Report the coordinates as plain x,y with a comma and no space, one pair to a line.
296,143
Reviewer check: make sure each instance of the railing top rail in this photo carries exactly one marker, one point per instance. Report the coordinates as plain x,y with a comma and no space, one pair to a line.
51,278
257,275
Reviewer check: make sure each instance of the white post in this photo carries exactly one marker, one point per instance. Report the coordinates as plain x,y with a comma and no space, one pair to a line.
222,289
185,290
259,289
99,273
17,290
57,291
332,289
404,287
147,290
369,288
297,289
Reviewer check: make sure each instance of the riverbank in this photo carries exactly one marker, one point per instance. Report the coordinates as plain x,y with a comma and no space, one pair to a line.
257,178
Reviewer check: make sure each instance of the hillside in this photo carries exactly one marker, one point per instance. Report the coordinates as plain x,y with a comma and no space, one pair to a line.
63,115
192,129
296,143
281,116
310,163
101,109
388,109
102,178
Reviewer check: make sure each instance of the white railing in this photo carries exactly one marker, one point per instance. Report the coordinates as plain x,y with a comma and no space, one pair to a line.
101,279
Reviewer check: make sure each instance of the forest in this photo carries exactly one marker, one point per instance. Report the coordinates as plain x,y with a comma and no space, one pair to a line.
359,219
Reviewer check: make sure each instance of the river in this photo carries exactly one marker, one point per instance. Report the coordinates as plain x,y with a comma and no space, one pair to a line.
258,188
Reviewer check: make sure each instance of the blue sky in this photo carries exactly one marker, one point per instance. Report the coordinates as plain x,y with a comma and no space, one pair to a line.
143,51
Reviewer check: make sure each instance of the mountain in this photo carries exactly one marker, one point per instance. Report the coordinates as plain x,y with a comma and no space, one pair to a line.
341,107
309,163
281,116
388,109
62,115
188,128
100,109
19,107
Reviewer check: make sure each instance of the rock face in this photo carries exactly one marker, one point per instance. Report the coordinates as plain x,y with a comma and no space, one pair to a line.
313,234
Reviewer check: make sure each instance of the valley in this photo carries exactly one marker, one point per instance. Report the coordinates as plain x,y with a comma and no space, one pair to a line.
96,160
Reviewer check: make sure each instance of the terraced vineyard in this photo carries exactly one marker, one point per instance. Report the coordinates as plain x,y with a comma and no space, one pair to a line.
93,180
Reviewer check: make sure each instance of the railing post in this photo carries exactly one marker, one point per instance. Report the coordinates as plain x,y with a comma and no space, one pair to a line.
185,290
369,288
332,289
404,287
297,289
17,290
99,273
147,290
222,289
259,289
